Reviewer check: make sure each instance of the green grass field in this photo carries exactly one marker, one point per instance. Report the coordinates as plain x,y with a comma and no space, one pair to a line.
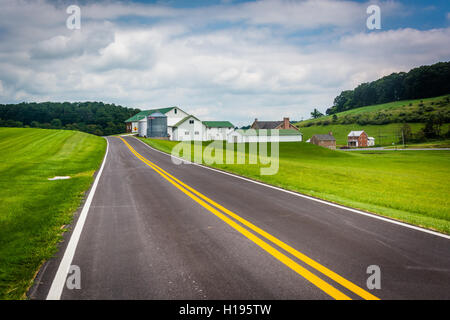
33,210
411,186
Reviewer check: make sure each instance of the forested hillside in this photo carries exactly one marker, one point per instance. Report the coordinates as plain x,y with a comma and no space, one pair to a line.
93,117
418,83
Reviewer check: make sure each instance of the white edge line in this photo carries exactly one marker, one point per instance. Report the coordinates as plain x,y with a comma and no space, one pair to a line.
60,278
306,197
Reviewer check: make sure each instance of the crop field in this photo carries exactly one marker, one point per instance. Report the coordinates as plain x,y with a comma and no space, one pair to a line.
33,209
410,186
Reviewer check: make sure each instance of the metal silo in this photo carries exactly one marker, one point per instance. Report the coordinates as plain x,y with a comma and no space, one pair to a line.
157,125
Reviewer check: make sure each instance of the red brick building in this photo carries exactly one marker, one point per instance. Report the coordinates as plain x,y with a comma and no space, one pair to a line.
357,139
324,140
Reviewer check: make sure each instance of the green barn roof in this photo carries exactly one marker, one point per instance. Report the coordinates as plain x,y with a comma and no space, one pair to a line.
145,113
218,124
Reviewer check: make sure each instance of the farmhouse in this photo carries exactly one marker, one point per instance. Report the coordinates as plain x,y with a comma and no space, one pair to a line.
358,139
262,135
285,124
324,140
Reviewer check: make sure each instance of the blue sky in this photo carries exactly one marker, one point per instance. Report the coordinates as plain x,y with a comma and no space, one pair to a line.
219,60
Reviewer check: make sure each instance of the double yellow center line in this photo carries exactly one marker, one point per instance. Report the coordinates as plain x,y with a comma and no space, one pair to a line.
225,215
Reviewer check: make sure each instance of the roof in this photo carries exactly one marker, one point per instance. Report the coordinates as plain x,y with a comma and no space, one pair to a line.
184,119
324,137
145,113
355,133
218,124
267,124
281,132
158,115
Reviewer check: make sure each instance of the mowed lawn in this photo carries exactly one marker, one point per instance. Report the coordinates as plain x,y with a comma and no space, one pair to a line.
412,186
33,210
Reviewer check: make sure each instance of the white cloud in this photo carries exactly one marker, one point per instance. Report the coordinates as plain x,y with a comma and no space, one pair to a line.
270,59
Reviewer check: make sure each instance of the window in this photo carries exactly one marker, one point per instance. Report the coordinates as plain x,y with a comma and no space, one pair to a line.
186,133
196,133
175,111
191,121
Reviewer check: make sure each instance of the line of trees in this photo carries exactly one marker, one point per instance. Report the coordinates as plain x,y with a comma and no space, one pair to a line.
421,82
92,117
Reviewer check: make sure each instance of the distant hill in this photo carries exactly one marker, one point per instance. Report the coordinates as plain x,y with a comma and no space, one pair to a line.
419,83
419,110
92,117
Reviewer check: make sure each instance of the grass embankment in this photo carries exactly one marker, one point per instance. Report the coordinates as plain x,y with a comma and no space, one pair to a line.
410,186
34,209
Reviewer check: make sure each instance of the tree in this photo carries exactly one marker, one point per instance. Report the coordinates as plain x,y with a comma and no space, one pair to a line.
56,124
316,114
430,130
92,117
405,133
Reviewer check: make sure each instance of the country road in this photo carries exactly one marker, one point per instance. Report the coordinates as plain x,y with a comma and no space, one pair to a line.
157,230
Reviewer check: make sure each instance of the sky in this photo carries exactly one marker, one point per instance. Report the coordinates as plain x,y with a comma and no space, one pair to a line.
218,60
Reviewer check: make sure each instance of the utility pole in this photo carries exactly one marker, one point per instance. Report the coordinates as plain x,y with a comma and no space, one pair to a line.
403,138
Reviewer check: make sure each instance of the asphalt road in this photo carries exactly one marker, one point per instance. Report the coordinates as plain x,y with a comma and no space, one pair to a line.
146,236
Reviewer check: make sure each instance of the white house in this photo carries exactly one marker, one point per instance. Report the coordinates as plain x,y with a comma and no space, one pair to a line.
260,135
370,141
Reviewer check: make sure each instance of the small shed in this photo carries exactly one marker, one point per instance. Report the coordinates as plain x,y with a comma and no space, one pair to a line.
324,140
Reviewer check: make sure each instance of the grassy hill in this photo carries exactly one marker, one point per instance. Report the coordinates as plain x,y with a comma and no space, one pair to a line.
34,209
383,121
403,185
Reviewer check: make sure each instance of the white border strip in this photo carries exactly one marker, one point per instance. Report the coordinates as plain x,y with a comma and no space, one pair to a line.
308,197
64,266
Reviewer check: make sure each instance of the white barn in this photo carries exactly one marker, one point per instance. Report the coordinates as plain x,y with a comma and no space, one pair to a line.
192,128
187,129
218,130
138,122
